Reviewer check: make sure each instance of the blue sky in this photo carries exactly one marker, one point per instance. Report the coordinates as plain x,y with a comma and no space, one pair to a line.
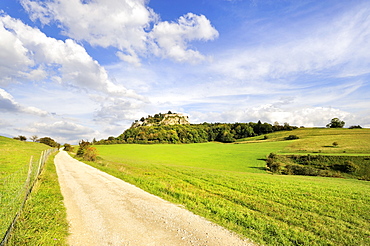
73,69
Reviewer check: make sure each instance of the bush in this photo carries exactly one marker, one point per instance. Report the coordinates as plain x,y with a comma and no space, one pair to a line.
301,170
292,137
90,154
68,147
355,127
83,146
49,141
272,164
350,167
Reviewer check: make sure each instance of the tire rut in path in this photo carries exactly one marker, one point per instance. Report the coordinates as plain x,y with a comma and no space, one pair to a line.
104,210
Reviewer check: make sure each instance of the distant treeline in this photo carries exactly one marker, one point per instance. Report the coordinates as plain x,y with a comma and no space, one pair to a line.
195,133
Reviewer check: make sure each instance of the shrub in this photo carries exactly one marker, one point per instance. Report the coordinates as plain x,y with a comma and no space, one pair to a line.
83,146
301,170
272,164
292,137
350,167
68,147
335,144
90,154
49,141
355,127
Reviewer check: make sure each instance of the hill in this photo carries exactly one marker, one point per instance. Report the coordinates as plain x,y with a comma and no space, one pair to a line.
162,120
15,154
175,128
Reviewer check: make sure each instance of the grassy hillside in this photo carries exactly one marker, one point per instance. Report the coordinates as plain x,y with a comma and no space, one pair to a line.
43,219
231,157
320,140
15,154
226,183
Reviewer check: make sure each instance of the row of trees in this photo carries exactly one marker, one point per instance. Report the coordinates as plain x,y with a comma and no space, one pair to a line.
196,133
45,140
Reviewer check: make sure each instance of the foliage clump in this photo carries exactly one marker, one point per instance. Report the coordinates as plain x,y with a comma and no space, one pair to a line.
49,141
68,147
86,151
20,138
193,133
319,165
291,137
273,164
336,123
355,127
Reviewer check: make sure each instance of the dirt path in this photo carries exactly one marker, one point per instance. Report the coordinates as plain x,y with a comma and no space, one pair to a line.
104,210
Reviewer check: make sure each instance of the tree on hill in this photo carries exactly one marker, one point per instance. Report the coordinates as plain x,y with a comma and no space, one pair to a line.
34,138
355,127
21,138
49,141
336,123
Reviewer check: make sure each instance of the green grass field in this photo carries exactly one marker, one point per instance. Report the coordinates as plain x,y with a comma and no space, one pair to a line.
43,220
15,154
320,140
227,184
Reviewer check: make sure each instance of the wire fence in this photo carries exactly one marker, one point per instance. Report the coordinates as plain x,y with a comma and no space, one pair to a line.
14,191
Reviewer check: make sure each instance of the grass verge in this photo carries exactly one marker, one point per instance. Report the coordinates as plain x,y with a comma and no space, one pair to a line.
43,220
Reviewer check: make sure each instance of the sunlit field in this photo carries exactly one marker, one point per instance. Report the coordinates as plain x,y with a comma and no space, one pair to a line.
228,184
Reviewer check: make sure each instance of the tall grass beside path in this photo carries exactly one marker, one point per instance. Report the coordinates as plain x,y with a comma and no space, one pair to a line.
43,220
20,164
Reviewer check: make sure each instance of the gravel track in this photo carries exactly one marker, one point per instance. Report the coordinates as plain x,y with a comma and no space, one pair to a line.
104,210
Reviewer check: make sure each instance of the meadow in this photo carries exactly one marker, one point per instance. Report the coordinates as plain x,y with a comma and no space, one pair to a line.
228,184
43,218
15,154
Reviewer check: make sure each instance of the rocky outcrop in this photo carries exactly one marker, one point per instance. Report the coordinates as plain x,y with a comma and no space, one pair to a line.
162,119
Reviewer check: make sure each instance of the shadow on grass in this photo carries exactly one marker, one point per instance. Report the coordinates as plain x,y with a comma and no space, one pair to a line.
260,168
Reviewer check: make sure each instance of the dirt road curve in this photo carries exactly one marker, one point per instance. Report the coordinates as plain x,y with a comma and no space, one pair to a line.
104,210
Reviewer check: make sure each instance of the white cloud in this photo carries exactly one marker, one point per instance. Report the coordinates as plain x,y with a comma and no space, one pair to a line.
171,39
9,105
13,57
304,116
105,23
115,111
61,131
66,62
125,25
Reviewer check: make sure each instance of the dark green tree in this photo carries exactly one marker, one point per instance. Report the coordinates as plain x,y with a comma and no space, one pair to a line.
336,123
21,138
48,141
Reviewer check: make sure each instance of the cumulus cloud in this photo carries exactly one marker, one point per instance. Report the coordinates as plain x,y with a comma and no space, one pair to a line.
67,62
125,25
13,56
61,131
115,110
303,116
170,39
9,105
